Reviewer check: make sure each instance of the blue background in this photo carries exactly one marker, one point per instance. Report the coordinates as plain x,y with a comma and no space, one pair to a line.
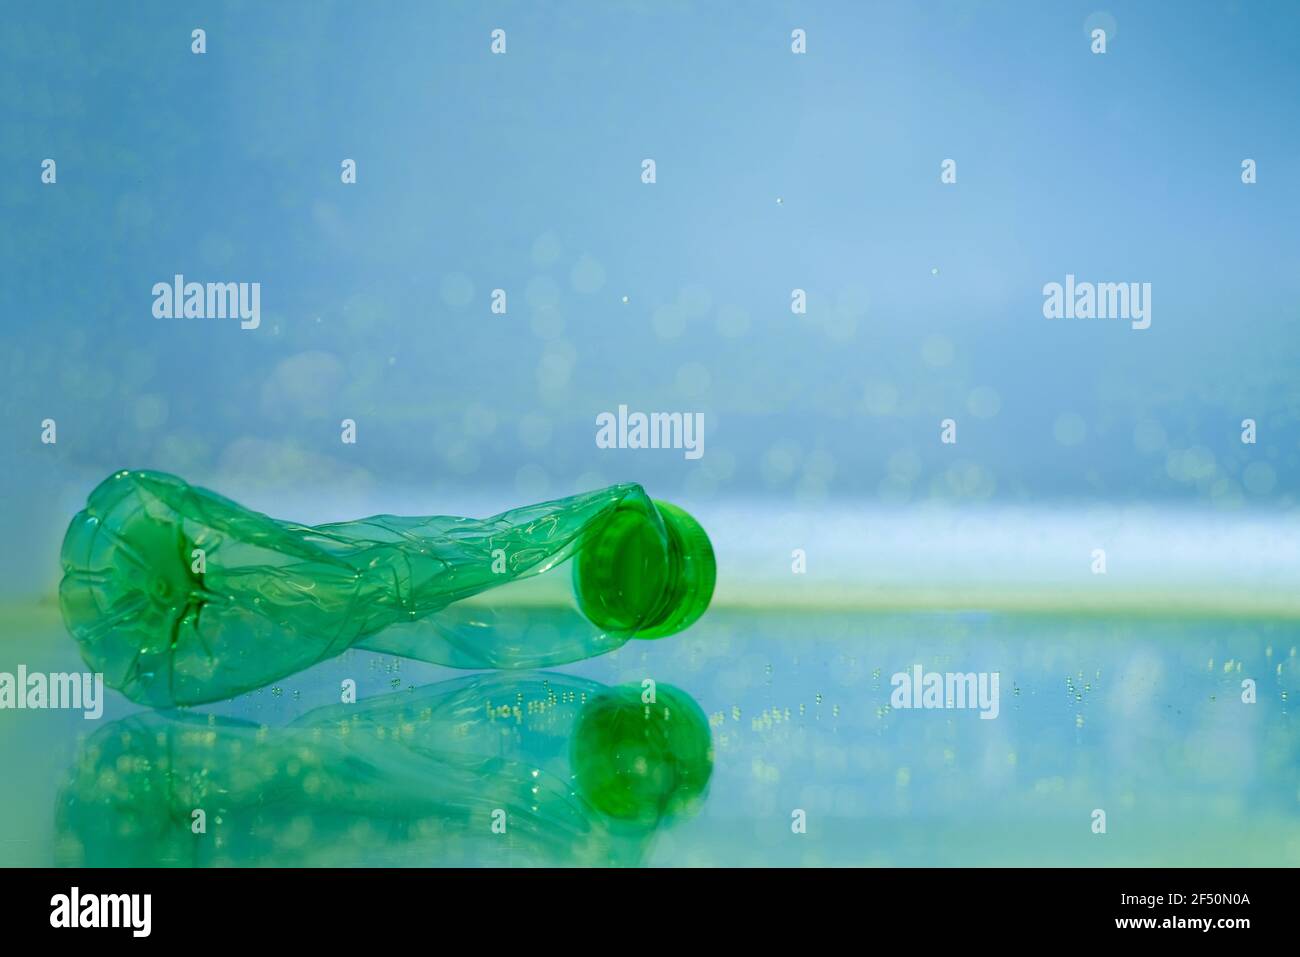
522,172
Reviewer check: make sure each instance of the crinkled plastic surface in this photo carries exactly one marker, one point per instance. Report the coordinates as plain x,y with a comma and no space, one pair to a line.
180,596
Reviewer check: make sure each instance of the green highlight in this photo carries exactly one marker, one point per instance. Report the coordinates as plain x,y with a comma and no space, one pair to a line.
641,761
494,769
180,596
648,570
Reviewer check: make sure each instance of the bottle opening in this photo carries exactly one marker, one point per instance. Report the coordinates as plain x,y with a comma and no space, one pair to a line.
641,577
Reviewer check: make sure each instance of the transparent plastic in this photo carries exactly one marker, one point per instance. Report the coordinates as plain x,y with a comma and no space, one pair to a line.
180,596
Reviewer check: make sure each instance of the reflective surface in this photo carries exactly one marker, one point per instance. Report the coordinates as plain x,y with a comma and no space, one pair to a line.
489,769
1141,718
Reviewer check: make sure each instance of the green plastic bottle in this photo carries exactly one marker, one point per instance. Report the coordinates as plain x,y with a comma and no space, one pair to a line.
489,769
180,596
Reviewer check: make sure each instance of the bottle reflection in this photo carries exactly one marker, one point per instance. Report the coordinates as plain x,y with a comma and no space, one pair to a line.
495,769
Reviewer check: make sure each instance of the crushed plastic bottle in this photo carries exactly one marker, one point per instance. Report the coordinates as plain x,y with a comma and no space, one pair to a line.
180,596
